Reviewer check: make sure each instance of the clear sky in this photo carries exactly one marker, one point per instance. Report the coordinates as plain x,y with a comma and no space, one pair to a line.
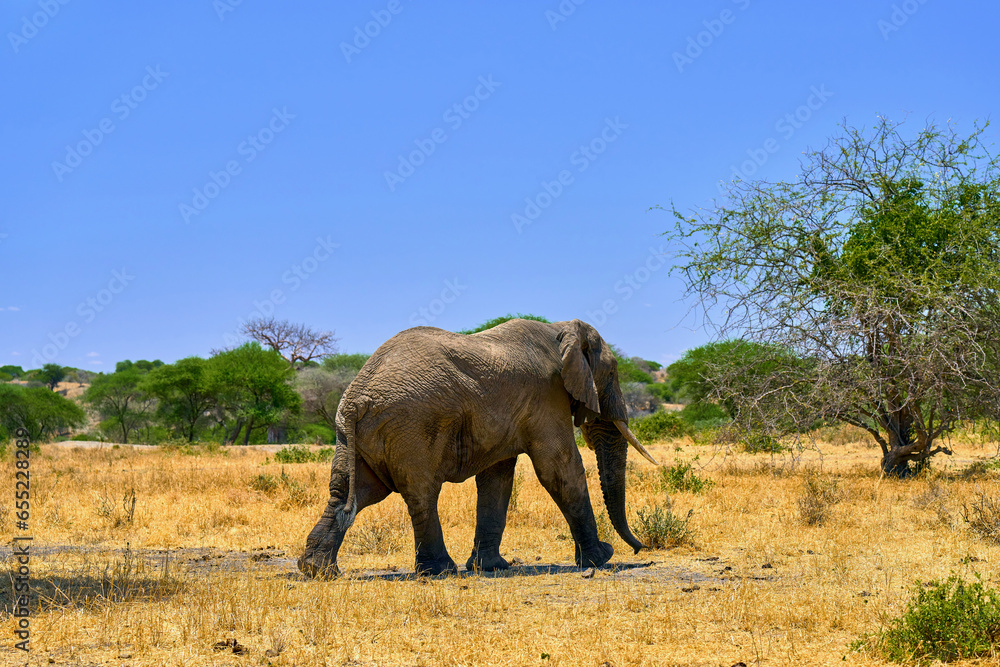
171,169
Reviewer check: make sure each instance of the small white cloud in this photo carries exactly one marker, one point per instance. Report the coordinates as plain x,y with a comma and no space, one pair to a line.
15,354
93,354
13,308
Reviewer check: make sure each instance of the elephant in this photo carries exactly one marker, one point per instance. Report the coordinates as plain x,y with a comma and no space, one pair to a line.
431,406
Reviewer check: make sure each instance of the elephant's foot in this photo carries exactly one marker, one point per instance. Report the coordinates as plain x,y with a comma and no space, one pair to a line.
486,562
317,567
440,565
595,557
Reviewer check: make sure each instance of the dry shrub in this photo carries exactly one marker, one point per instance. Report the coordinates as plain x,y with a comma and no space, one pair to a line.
117,512
818,496
660,528
935,498
983,516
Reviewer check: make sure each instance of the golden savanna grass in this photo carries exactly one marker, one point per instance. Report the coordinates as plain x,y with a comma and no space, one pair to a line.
792,557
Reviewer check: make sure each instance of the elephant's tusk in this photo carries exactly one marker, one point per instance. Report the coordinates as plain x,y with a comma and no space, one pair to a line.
632,440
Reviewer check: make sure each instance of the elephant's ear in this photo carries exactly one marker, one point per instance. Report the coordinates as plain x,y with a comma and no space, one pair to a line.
576,374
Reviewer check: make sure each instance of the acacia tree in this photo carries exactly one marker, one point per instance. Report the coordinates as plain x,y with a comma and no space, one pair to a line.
119,399
254,389
296,343
184,394
874,278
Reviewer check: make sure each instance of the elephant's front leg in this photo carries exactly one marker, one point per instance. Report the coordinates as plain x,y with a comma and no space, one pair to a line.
560,470
432,556
493,487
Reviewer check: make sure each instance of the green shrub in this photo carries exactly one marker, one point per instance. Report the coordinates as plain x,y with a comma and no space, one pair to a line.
681,477
489,324
660,528
761,443
294,454
946,621
702,415
659,426
302,454
661,390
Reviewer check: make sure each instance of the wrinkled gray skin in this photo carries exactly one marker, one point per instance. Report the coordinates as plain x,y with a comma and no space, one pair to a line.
432,406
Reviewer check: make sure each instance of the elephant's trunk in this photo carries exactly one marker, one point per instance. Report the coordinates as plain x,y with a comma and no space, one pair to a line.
611,447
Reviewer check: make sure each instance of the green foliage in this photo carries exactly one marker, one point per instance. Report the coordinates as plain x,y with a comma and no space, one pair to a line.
661,391
660,528
681,477
880,260
659,426
184,394
702,415
314,433
631,369
945,621
13,371
757,442
489,324
4,377
254,388
51,375
653,365
118,398
302,454
350,362
43,413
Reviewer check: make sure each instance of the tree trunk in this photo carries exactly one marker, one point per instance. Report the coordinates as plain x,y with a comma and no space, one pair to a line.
231,437
246,435
277,434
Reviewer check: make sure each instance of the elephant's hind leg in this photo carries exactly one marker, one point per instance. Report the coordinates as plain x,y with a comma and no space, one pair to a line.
432,555
493,487
323,543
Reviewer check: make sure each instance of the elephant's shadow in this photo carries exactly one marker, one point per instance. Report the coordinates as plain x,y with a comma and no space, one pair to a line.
518,570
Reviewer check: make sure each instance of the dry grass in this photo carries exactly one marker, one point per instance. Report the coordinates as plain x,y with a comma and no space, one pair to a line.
212,542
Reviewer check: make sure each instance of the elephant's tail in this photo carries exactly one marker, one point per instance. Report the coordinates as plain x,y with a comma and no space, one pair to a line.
346,462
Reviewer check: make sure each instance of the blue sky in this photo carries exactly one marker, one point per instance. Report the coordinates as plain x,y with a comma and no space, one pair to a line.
174,168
